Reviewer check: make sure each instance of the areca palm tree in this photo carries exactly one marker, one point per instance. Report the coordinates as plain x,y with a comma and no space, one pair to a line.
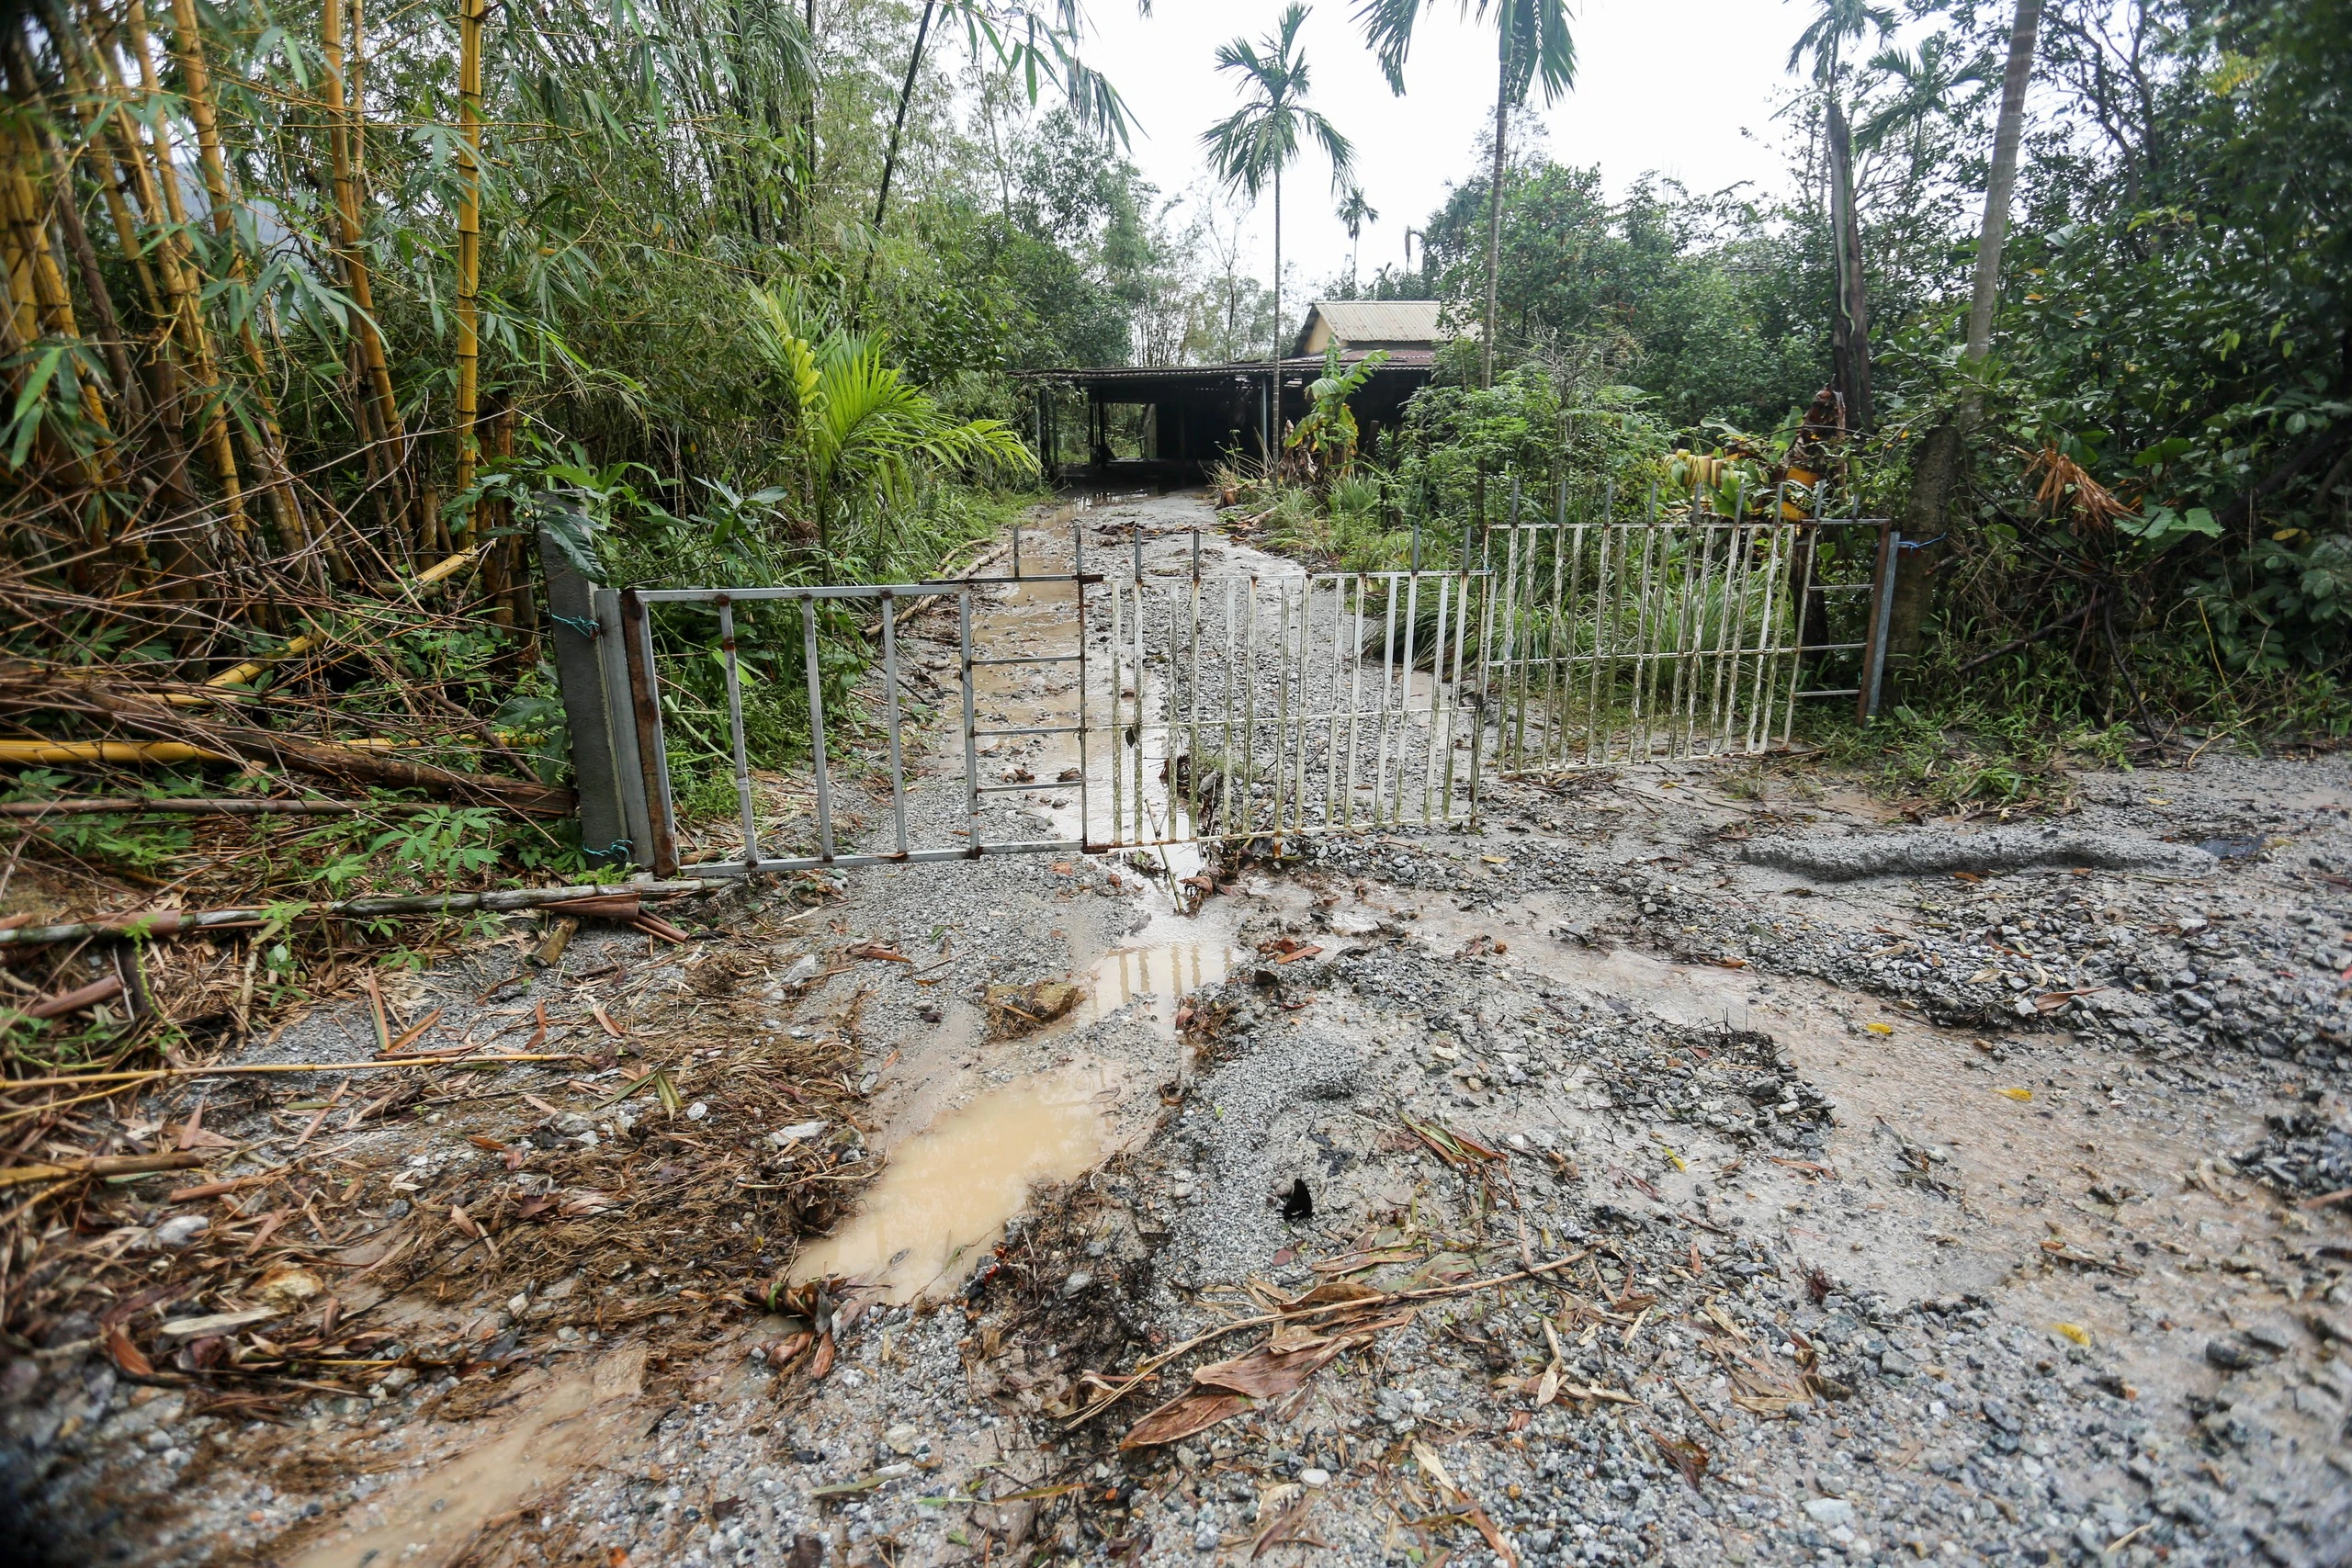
1251,147
865,433
1355,212
1835,25
1532,44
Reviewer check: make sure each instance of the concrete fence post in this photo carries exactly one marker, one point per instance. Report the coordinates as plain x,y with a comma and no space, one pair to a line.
595,685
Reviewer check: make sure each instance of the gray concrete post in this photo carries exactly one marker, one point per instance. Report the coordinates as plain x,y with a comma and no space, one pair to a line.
605,829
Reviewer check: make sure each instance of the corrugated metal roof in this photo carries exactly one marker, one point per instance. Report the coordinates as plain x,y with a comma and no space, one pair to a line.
1371,321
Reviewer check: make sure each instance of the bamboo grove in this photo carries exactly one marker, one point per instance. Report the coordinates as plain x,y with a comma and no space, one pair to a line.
285,289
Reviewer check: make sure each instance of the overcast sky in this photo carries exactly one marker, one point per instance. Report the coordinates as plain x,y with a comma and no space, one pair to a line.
1683,87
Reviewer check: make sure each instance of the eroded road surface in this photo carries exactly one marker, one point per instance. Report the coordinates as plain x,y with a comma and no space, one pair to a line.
1683,1174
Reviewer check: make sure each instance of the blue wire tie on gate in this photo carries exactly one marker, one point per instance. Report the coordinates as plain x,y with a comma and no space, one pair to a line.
1919,544
581,623
618,850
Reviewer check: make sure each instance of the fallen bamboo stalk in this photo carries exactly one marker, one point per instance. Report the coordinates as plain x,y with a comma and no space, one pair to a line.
204,740
179,922
265,1069
1151,1364
104,1165
64,1002
135,806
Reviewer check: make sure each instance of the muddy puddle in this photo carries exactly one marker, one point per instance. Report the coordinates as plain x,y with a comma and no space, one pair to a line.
433,1517
950,1188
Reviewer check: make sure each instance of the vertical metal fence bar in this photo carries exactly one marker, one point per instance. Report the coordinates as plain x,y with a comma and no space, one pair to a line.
1144,834
971,742
1118,753
1250,712
1552,672
1193,735
1510,610
1355,700
1336,713
1085,767
1760,723
1597,724
1638,722
1453,689
1405,695
890,713
1387,669
735,729
1696,742
817,729
1225,686
1437,691
1744,542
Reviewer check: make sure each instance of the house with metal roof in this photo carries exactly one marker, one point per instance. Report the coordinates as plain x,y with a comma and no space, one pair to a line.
1167,423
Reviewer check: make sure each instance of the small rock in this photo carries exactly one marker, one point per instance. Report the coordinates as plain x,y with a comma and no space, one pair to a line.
2263,1336
697,1111
1079,1278
398,1379
2230,1355
288,1286
1205,1536
1830,1513
1314,1476
902,1440
1895,1364
798,1133
180,1230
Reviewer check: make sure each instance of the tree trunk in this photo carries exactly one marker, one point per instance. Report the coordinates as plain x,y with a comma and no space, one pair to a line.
2003,178
1494,219
1849,334
1274,367
266,448
899,126
355,263
1937,471
469,400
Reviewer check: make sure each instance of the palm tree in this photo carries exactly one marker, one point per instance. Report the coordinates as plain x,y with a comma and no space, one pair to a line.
1250,147
1835,24
1532,42
1355,212
2006,130
865,432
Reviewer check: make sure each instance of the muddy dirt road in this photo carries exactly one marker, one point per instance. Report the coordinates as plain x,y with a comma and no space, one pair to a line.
1684,1174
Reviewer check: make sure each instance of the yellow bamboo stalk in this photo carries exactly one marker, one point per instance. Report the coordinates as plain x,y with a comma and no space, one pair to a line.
159,185
268,447
28,231
470,17
347,202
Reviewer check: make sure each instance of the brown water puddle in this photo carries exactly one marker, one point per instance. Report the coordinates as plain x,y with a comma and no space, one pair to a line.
950,1188
433,1518
1169,959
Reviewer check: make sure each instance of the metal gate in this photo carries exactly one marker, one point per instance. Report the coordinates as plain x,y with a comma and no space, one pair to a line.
1198,708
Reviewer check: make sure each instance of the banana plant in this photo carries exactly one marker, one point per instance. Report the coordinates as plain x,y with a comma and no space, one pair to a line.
1327,434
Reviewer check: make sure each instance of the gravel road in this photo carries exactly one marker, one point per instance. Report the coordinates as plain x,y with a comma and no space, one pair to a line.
1950,1190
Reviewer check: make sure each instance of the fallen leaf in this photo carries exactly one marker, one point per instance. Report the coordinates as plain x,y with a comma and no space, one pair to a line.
1266,1373
2019,1095
1287,1526
2074,1331
1688,1458
1195,1410
126,1356
1880,1028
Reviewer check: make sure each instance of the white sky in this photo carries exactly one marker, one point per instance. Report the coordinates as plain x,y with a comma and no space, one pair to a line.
1683,87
